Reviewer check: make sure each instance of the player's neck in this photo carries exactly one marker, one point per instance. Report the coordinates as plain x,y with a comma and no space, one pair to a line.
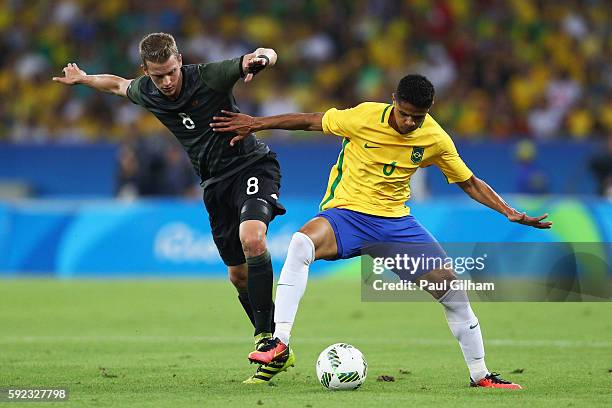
391,121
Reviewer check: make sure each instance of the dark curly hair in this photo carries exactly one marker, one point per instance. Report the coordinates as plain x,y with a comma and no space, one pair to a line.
416,90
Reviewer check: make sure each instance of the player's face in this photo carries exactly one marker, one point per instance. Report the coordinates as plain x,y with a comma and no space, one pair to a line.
408,117
166,76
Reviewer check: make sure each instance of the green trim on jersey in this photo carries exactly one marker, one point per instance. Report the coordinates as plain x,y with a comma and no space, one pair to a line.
382,118
332,190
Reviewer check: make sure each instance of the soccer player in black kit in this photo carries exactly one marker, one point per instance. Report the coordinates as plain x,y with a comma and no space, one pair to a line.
241,182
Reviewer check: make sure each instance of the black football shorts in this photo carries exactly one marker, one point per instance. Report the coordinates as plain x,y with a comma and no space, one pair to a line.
224,200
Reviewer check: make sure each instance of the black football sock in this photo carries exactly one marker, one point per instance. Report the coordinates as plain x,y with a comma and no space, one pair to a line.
259,282
243,297
272,324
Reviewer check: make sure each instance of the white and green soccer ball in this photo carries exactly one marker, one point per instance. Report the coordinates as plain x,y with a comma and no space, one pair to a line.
341,367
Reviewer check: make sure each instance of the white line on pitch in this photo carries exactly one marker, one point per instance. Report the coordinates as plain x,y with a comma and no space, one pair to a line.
305,340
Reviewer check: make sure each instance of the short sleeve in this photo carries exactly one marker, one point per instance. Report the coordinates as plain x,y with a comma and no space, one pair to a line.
449,162
221,76
133,91
340,122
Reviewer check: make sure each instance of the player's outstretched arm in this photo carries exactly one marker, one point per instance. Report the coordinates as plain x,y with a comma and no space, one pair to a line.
106,83
254,62
484,194
243,125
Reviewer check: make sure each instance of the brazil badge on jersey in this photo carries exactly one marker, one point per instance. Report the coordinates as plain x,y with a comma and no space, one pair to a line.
417,155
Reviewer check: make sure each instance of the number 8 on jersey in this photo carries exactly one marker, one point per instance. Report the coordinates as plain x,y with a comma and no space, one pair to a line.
252,186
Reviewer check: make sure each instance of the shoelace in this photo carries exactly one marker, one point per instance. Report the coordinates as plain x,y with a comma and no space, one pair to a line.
495,378
266,344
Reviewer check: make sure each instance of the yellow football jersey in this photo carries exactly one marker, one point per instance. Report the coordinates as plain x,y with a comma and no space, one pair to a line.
374,167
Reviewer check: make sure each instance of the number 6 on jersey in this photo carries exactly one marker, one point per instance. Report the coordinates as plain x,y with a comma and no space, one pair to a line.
189,124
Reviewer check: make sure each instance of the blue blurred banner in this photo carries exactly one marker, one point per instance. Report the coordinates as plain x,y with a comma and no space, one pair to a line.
76,171
107,239
61,170
172,237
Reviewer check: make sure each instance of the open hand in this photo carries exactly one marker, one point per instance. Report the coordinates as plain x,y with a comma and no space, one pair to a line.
72,75
238,123
536,222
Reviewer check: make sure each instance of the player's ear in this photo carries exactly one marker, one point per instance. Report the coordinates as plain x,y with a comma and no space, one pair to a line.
393,97
180,60
144,68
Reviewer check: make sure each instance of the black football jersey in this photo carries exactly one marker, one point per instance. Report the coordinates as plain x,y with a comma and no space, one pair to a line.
205,91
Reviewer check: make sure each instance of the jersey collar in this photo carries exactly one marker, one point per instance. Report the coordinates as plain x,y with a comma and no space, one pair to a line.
384,117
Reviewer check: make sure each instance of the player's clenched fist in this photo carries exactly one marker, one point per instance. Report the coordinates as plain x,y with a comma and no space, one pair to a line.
72,75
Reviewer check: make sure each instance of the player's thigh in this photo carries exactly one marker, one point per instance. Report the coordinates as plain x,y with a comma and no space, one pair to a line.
322,235
260,181
224,224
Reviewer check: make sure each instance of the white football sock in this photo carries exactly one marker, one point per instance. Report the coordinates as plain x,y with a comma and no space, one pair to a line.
466,329
292,284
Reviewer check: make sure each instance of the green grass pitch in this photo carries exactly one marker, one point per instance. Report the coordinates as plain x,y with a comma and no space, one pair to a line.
184,343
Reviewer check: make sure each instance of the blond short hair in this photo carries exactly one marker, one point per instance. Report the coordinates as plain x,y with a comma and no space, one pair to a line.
158,48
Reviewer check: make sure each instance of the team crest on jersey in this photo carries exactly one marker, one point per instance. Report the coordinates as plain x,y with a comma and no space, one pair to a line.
417,154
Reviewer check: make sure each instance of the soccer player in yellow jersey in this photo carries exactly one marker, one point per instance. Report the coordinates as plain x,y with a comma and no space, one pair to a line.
383,145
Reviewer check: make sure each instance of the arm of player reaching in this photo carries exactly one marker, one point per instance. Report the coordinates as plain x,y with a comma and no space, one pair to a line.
104,82
243,125
254,62
484,194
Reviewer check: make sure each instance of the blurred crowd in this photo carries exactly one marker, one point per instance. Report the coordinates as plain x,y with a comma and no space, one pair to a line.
502,69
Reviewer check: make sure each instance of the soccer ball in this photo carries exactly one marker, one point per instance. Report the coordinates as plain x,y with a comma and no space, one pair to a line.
341,367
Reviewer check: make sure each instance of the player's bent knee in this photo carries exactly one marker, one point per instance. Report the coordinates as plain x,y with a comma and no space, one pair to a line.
255,215
321,233
253,237
253,244
302,248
